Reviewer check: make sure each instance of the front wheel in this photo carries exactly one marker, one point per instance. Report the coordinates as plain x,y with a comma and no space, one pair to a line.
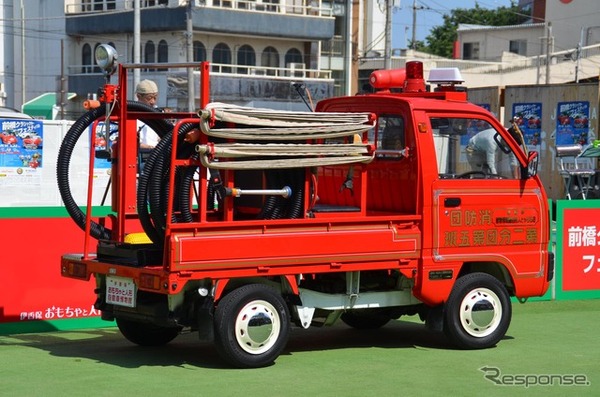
478,312
252,326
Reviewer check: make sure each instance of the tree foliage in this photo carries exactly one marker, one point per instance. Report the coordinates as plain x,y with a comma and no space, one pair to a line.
441,39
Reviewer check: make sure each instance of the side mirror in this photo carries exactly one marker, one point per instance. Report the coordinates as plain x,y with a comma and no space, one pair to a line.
532,164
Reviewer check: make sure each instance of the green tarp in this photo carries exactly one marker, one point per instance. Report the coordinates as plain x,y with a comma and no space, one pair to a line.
44,106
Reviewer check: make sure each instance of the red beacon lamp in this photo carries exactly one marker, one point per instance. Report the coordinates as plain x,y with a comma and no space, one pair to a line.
410,79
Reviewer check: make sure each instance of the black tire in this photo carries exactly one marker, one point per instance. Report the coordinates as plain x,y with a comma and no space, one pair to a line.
478,312
146,334
252,326
365,319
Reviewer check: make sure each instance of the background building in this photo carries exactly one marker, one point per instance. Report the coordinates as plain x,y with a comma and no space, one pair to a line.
32,43
258,47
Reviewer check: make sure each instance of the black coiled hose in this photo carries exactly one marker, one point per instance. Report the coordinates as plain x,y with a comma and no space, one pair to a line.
162,127
153,185
277,207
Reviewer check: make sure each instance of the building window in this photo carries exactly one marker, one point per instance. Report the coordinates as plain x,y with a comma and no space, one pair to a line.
471,50
518,47
246,4
273,8
149,54
293,56
222,3
163,52
221,55
96,67
245,56
270,58
199,52
86,58
152,3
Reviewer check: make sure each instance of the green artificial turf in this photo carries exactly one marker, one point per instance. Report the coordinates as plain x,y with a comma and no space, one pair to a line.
401,359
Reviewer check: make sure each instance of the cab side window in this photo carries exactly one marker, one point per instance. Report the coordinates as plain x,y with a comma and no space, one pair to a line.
471,148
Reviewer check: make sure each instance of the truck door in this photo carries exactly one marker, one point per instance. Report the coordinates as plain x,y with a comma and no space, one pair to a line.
483,209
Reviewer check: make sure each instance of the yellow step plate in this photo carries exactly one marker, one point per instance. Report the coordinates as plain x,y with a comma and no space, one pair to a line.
137,238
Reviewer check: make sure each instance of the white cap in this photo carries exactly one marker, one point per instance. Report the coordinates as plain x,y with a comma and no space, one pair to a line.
146,87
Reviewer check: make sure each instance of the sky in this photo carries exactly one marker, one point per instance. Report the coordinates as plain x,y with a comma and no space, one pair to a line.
429,16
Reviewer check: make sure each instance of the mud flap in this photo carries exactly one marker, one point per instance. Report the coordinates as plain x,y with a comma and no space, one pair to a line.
206,329
435,319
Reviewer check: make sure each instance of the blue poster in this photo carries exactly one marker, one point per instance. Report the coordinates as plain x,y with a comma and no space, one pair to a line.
21,143
474,127
103,142
528,116
572,123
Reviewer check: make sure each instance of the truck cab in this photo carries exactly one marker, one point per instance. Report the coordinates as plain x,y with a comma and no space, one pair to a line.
247,222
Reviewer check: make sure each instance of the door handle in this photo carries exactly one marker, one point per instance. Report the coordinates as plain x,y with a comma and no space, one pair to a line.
451,202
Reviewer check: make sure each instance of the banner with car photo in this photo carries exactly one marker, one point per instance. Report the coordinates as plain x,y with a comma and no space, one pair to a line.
21,147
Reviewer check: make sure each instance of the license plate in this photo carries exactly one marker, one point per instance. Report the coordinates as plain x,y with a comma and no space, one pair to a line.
120,291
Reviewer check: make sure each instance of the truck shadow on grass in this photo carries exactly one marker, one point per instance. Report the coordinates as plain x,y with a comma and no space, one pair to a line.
108,346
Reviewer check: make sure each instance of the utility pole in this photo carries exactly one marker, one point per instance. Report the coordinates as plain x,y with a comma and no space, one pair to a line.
190,56
413,45
548,48
23,71
414,24
348,76
578,57
136,43
388,35
62,80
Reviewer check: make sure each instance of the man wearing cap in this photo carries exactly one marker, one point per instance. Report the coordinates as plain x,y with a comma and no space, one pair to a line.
147,92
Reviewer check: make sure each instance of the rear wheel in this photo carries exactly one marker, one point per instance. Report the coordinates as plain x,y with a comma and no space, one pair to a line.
252,326
146,334
478,312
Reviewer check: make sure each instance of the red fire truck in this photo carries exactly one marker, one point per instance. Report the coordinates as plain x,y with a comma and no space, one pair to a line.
245,222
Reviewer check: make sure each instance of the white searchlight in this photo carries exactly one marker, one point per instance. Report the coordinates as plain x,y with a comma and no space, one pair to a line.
106,58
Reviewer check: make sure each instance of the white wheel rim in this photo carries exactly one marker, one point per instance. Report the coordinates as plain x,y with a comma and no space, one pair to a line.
480,312
257,327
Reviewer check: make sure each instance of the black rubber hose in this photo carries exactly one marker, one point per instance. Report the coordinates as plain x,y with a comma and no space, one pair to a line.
159,183
186,181
270,204
143,182
153,184
66,151
297,200
277,207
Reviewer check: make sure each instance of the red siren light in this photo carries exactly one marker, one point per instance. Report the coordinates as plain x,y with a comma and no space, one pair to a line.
414,70
386,79
409,79
414,77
